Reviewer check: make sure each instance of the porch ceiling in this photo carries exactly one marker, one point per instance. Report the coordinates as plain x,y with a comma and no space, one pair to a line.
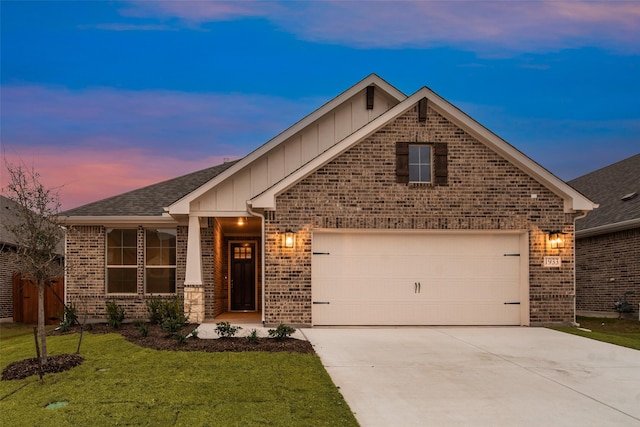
240,226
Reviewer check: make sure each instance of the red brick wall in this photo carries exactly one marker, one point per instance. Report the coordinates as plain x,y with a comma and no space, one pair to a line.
607,266
358,190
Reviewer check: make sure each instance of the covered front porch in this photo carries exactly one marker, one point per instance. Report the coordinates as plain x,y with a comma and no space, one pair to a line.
223,269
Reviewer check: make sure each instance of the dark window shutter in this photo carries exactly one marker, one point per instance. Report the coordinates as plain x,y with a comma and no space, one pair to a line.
440,163
402,162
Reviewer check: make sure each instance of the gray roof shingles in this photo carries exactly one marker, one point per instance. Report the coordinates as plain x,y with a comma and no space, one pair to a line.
607,187
150,200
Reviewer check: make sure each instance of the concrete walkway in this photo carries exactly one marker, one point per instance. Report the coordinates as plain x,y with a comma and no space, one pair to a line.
464,376
208,330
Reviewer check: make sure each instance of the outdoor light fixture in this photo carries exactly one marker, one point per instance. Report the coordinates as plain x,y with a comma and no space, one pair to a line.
242,221
556,239
288,239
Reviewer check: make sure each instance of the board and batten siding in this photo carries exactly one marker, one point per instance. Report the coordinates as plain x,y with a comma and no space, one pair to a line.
232,194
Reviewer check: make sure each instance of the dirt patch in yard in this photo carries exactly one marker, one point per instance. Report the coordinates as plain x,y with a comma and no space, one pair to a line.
157,339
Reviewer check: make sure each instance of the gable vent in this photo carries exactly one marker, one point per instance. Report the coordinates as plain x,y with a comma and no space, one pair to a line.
629,196
370,92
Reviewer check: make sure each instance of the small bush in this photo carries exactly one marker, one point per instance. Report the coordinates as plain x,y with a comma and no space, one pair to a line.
224,329
281,332
182,338
154,309
194,334
142,328
253,337
70,317
168,313
115,314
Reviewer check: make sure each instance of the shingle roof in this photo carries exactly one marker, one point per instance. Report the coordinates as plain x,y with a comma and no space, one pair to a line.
607,187
150,200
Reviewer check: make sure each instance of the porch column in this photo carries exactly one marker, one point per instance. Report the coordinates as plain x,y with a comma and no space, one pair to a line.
193,286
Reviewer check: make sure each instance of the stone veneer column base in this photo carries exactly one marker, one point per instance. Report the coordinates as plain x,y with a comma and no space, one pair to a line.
194,303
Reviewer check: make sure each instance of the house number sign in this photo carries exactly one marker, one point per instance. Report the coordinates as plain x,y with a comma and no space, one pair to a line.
552,261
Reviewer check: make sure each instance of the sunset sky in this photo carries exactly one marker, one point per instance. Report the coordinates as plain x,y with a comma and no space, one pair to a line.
105,97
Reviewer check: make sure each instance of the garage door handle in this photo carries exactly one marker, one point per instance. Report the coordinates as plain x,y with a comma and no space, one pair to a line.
512,303
321,302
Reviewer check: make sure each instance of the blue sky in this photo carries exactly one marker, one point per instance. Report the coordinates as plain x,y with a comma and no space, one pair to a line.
104,97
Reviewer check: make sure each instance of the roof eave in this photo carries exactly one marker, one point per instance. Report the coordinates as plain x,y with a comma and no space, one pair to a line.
608,228
118,220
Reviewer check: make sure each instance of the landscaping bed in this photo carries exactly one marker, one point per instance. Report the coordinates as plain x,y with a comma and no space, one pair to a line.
156,338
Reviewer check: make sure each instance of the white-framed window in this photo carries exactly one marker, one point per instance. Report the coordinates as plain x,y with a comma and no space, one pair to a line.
420,163
160,261
122,261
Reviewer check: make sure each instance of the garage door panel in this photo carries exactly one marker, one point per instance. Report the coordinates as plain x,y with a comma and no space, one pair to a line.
416,279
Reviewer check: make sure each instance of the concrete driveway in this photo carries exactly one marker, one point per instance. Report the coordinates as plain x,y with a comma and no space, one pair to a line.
480,376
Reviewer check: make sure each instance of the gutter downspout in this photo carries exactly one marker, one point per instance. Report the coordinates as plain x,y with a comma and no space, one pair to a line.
262,250
575,218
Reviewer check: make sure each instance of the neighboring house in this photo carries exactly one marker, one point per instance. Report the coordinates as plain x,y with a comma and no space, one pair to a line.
376,209
608,240
7,263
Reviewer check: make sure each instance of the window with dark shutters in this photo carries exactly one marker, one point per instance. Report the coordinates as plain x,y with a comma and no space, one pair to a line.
402,162
439,163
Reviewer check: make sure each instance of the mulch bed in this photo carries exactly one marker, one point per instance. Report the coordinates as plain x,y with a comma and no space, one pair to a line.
156,339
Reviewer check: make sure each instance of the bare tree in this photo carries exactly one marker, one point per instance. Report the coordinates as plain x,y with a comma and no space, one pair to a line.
36,232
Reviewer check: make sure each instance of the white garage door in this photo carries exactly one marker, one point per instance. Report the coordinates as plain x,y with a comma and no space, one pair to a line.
412,278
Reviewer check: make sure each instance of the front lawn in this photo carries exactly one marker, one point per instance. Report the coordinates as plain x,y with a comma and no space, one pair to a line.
120,383
623,332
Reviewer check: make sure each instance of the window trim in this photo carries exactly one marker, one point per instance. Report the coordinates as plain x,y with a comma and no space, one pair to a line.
430,163
107,266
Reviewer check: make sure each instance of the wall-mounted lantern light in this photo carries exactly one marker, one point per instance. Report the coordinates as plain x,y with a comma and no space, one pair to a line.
288,239
556,239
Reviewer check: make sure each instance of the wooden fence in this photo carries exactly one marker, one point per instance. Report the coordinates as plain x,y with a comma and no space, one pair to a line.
25,301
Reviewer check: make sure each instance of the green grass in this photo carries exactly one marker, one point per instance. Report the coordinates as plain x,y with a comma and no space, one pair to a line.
123,384
623,332
11,330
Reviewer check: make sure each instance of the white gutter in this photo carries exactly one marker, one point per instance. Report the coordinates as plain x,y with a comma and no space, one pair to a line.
117,220
609,228
262,255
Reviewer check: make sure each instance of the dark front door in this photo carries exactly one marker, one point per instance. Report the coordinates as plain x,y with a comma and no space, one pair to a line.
243,276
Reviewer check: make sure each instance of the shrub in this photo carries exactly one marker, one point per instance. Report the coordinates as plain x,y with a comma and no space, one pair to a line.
253,337
168,313
194,334
142,328
154,310
70,317
115,314
224,329
281,332
182,338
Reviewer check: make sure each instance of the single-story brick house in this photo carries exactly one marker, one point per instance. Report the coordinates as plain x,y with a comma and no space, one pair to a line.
608,240
376,209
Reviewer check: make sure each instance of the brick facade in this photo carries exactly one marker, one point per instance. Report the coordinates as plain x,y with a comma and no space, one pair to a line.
7,269
607,267
86,275
358,190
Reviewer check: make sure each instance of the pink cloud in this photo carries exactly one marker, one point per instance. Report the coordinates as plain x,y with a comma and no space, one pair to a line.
87,175
100,142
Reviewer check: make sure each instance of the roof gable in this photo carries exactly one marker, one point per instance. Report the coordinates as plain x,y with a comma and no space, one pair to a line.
184,205
573,200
